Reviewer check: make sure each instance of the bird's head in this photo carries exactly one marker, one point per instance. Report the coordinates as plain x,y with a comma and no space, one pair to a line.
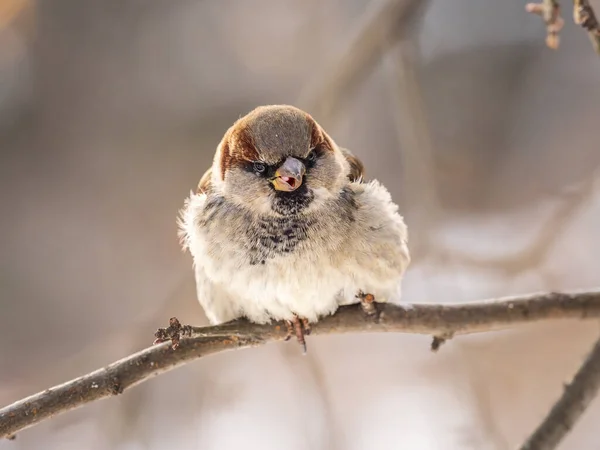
278,160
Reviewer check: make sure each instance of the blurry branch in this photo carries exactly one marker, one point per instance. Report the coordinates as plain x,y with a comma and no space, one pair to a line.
388,22
385,26
379,29
583,15
190,343
415,143
573,201
10,10
549,11
575,399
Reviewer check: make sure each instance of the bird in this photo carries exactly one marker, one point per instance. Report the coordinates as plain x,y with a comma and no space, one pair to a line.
284,226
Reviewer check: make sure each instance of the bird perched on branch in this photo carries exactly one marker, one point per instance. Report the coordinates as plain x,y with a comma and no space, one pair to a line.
283,227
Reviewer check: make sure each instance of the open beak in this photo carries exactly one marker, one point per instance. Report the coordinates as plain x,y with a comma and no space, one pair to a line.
289,175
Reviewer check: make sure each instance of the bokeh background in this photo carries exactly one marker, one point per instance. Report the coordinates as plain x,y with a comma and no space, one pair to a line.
110,112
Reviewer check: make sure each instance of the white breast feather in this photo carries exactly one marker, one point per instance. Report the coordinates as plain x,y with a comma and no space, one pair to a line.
310,283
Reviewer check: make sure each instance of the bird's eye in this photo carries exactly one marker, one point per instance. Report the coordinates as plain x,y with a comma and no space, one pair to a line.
259,167
312,156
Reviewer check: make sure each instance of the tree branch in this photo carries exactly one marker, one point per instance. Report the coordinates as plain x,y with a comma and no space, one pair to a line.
568,409
583,15
379,29
10,10
415,144
572,202
549,10
440,321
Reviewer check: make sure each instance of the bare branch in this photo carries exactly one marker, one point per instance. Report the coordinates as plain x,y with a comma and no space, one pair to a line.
381,27
10,10
442,321
572,202
568,409
549,10
583,15
415,143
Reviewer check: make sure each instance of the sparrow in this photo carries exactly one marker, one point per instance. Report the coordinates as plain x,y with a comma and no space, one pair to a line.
283,226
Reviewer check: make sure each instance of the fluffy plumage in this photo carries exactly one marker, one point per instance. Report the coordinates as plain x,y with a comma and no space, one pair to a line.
283,226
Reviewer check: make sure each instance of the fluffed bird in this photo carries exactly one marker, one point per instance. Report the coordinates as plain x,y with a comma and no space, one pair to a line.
284,227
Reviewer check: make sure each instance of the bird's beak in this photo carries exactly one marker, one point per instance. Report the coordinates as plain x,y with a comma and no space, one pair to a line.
289,175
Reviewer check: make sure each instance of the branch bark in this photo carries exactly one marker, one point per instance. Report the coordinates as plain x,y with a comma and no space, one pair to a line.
438,320
576,397
583,15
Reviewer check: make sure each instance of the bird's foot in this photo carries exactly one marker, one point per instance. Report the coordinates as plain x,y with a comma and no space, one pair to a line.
174,332
299,327
367,302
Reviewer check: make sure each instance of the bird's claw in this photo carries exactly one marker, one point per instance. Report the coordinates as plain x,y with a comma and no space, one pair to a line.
300,327
367,302
174,332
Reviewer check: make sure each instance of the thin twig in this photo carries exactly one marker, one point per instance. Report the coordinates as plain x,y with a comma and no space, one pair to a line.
415,143
568,409
572,203
380,27
549,10
10,10
431,319
584,16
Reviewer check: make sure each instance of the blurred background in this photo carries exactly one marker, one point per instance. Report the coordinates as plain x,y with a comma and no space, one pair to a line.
110,112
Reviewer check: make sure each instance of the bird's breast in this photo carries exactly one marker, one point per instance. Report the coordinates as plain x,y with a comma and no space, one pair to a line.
235,240
269,239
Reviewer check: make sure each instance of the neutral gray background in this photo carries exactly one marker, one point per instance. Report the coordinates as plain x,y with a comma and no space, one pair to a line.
109,114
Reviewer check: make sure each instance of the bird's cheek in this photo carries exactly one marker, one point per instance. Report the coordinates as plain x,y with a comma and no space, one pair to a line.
319,178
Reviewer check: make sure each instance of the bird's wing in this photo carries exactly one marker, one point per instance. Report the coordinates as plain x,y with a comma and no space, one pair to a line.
384,236
218,304
193,204
357,169
204,184
383,228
